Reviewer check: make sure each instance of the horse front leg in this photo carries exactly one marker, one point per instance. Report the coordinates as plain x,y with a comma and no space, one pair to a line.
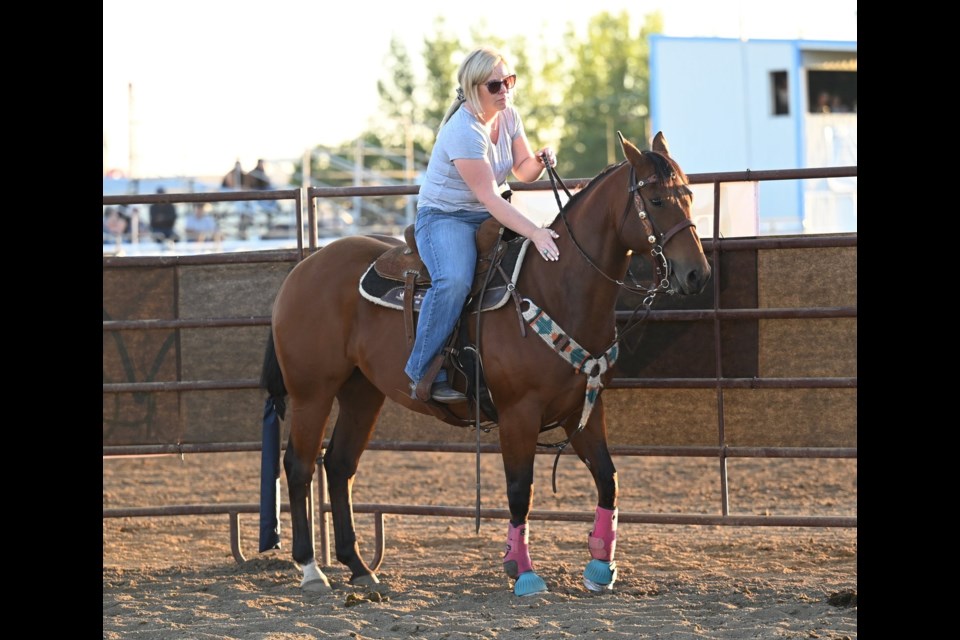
519,448
591,446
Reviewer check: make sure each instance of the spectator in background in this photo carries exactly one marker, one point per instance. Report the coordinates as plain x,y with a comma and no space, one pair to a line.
201,227
134,222
124,212
837,105
114,225
823,102
235,178
163,216
120,220
257,179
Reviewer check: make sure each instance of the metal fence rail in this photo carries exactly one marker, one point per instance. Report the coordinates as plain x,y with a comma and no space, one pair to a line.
306,205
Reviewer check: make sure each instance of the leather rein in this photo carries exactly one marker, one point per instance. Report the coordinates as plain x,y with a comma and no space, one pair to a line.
657,240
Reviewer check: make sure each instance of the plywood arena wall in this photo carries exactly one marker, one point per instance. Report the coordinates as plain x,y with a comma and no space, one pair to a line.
749,279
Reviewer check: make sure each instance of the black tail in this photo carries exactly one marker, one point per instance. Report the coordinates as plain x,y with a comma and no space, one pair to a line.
271,378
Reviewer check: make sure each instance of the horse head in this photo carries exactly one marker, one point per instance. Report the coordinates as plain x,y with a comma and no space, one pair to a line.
657,218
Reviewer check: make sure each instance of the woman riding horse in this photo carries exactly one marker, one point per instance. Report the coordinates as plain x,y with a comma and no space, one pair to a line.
329,342
481,138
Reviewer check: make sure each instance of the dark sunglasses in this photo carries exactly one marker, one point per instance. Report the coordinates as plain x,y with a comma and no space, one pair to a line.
494,86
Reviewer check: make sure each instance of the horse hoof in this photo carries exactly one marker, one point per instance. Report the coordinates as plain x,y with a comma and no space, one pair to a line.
317,585
370,581
529,584
599,575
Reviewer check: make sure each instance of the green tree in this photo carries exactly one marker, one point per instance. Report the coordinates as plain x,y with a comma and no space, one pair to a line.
397,94
441,60
611,93
442,54
536,96
575,103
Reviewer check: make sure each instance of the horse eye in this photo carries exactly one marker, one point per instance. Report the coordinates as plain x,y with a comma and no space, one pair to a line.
657,202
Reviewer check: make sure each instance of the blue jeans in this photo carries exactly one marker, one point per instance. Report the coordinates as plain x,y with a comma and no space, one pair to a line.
448,247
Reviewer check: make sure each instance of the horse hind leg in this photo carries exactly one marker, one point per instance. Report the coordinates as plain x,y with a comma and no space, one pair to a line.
360,403
308,420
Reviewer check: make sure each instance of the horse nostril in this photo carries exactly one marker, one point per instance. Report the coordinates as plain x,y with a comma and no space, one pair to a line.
697,280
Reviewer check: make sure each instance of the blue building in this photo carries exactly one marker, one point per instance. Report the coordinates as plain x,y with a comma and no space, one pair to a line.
731,105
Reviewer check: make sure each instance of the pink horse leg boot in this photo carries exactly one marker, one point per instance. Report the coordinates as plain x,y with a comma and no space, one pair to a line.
603,538
516,559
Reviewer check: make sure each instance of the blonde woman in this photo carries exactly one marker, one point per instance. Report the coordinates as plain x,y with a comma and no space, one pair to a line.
480,142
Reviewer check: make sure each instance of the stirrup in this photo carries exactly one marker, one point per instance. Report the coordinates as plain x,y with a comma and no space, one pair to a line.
443,393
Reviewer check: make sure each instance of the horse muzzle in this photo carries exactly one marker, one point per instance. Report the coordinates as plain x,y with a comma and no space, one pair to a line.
689,281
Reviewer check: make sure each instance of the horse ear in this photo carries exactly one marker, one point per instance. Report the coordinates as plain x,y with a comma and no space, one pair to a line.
630,152
660,143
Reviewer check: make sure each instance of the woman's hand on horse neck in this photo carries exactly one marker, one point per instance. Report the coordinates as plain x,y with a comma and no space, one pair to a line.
479,177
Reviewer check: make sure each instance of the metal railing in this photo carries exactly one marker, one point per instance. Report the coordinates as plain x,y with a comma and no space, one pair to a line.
309,244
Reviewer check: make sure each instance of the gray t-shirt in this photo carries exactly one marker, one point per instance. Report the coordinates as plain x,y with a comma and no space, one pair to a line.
463,137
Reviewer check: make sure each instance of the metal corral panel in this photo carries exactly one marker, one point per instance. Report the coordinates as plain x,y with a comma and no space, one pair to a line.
219,315
171,355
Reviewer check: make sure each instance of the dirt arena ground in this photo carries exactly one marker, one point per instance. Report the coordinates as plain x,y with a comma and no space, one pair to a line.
175,577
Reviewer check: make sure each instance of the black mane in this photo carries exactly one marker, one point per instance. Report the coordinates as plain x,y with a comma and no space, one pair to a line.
593,183
668,172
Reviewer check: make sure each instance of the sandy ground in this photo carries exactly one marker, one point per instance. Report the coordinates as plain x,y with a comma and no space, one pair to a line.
175,577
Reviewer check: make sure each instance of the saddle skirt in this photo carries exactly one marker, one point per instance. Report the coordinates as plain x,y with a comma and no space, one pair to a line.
388,280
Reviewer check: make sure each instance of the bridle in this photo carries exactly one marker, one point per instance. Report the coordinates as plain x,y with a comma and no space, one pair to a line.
609,355
657,240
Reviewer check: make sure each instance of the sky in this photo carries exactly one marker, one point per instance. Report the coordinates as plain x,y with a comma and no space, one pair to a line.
198,85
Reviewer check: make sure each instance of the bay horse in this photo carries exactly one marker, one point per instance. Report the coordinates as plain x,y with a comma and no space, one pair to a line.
328,342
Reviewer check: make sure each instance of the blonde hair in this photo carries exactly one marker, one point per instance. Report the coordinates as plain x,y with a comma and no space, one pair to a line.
474,69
